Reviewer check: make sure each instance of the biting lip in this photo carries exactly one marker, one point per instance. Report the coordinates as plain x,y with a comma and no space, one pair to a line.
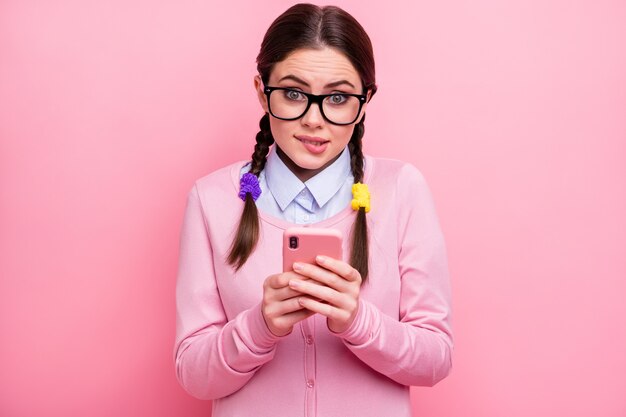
311,139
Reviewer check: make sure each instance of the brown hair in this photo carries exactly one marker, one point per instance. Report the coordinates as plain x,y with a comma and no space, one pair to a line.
309,26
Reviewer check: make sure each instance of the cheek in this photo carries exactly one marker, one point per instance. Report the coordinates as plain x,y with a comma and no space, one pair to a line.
342,134
281,129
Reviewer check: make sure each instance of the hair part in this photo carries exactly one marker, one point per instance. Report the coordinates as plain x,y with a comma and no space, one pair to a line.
309,26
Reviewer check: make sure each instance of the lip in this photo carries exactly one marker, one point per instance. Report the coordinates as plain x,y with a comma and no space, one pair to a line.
311,139
313,144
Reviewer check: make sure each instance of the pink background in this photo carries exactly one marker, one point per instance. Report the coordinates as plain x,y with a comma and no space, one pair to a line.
514,111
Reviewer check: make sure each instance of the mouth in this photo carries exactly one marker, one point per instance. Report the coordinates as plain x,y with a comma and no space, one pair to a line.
311,140
313,144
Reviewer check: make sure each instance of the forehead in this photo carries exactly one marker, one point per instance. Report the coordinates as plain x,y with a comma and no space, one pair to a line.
317,67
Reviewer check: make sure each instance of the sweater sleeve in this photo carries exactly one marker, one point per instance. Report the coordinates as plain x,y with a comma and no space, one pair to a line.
213,357
417,348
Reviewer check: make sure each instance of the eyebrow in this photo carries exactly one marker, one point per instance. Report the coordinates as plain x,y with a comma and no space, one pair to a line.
330,85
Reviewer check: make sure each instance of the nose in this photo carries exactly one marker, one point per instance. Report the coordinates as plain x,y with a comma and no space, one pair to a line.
313,116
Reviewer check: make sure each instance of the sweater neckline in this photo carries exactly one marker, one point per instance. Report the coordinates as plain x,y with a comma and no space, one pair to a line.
283,224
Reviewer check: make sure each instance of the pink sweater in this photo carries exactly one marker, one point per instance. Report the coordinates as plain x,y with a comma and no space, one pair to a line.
401,336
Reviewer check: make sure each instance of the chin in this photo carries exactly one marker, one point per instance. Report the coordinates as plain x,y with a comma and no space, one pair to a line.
310,162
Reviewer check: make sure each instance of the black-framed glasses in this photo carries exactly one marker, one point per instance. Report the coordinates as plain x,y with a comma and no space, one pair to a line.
292,104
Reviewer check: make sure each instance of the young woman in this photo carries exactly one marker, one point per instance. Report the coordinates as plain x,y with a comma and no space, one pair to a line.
342,337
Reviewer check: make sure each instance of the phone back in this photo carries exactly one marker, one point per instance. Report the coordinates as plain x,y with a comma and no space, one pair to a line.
303,244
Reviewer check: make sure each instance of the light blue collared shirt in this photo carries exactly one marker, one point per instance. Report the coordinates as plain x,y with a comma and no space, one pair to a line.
284,196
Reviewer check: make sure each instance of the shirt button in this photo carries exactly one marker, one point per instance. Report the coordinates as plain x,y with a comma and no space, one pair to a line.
310,383
305,217
309,340
303,192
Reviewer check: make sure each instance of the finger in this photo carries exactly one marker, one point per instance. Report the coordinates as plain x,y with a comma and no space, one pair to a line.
280,280
320,293
282,294
324,309
323,276
339,267
289,320
280,308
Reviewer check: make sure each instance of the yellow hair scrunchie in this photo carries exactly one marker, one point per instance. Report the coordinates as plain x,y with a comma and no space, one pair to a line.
360,197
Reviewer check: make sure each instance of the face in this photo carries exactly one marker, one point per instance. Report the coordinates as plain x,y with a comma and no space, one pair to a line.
311,143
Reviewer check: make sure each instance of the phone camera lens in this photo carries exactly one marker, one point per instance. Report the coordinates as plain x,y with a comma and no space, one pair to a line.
293,242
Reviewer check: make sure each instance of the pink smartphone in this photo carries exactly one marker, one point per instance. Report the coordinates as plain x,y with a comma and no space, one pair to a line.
303,244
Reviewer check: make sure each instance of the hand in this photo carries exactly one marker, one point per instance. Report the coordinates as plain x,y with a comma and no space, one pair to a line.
281,309
337,297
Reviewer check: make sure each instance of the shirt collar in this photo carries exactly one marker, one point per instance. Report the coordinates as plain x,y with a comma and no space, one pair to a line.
283,183
285,186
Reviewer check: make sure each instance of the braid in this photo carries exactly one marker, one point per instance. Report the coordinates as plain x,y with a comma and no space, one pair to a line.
359,257
356,151
263,141
247,234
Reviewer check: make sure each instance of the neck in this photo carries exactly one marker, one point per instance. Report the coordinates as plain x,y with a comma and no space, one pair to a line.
303,174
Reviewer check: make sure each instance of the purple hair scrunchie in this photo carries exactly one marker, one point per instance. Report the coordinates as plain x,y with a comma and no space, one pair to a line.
249,183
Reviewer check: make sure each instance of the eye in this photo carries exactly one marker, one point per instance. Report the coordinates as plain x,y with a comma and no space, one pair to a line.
293,95
337,99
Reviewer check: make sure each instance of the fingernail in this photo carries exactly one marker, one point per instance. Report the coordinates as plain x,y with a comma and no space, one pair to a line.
297,266
321,259
293,283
